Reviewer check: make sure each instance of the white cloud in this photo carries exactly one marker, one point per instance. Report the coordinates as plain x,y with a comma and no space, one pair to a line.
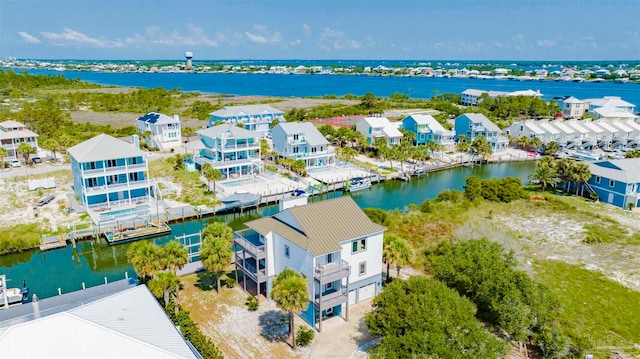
28,38
306,29
545,43
295,42
262,35
70,37
518,41
328,33
194,36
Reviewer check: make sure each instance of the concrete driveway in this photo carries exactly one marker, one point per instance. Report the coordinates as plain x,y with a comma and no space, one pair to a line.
340,339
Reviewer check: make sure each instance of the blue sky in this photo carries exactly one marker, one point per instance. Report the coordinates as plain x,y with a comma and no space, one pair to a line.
322,29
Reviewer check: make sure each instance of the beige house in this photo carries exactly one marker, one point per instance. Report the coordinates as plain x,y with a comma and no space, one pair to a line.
12,134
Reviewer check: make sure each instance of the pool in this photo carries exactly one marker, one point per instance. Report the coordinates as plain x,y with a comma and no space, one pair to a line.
237,183
321,169
126,212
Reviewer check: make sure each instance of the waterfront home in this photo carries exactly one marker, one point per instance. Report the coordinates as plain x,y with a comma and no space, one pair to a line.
379,127
164,131
580,134
597,134
12,134
567,135
609,101
571,107
472,125
527,128
550,132
253,117
428,129
616,181
108,172
231,149
125,324
610,112
332,243
302,141
472,97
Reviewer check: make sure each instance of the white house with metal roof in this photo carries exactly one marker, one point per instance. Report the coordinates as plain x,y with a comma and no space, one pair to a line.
231,149
567,136
254,117
471,97
12,134
379,127
302,141
609,101
109,172
527,128
472,125
128,324
332,243
165,131
572,107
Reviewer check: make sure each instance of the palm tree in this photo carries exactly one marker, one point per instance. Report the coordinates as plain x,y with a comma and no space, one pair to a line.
402,152
481,147
535,143
551,148
164,285
398,253
144,256
216,253
523,142
212,175
580,174
347,152
291,295
3,154
26,150
545,175
563,167
52,145
174,256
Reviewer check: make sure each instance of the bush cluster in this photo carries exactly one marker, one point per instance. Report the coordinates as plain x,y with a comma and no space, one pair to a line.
305,336
495,190
192,333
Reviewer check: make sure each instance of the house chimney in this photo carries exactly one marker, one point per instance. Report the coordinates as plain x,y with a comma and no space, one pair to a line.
176,117
292,202
136,141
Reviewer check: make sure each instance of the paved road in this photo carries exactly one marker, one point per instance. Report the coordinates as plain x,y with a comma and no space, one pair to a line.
41,168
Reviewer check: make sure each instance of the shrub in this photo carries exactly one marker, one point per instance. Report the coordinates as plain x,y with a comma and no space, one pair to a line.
252,303
192,333
305,336
230,282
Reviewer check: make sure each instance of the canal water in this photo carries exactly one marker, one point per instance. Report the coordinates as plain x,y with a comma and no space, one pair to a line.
91,262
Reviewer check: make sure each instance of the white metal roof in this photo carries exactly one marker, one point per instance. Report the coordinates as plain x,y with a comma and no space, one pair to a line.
563,127
103,147
428,120
548,128
243,110
11,124
593,127
534,128
622,126
480,118
607,126
577,127
311,134
382,122
613,112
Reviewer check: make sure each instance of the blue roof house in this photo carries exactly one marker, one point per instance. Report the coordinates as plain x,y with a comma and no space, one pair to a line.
254,117
473,125
616,182
109,172
428,129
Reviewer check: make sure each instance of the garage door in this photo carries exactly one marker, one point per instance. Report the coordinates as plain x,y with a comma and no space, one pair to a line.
366,292
352,297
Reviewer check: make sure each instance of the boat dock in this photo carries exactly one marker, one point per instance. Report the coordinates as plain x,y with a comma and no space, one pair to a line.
124,235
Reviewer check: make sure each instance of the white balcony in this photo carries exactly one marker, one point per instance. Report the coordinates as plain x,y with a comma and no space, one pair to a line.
117,187
114,170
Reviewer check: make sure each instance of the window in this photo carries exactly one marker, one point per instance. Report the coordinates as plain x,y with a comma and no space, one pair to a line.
597,179
612,183
330,258
329,285
133,177
92,182
362,268
286,251
359,245
111,163
295,137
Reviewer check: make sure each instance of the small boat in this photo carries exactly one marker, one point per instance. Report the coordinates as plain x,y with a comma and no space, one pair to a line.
241,199
418,172
299,193
12,296
357,184
405,176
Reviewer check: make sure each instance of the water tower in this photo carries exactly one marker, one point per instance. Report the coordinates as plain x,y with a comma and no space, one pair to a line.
189,55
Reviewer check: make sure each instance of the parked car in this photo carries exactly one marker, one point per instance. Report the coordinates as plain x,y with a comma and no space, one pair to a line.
15,163
36,160
46,199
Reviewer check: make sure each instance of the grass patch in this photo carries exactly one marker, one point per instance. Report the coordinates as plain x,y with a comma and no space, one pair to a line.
194,191
592,305
19,237
599,233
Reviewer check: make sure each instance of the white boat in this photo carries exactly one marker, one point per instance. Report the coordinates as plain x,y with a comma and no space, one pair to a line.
14,296
241,199
357,184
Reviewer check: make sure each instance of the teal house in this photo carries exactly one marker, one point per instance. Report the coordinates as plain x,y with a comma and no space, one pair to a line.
472,125
109,172
428,129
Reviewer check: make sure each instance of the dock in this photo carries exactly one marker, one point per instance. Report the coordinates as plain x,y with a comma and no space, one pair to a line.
133,234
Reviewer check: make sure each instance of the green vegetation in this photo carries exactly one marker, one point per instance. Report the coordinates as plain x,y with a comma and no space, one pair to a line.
291,295
421,317
193,190
252,303
594,308
508,298
19,237
192,333
216,254
305,336
495,190
610,233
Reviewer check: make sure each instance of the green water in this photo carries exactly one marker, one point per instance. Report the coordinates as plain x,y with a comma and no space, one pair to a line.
90,262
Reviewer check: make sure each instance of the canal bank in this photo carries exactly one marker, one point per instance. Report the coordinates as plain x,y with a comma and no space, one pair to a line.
91,262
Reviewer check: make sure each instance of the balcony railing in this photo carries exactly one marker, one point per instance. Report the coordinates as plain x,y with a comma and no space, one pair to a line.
125,168
256,250
115,187
331,298
238,146
250,269
332,271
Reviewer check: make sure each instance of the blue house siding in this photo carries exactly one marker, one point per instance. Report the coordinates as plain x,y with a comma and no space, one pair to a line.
309,315
607,193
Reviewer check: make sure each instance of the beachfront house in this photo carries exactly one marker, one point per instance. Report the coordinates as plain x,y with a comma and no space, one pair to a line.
163,131
609,101
572,107
471,97
616,182
567,136
332,243
302,141
428,129
379,127
472,125
254,117
231,149
527,128
109,172
12,134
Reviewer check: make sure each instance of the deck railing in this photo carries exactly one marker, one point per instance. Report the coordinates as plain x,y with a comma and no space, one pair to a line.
257,250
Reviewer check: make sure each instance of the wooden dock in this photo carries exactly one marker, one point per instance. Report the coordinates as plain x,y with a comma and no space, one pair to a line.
52,242
128,235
